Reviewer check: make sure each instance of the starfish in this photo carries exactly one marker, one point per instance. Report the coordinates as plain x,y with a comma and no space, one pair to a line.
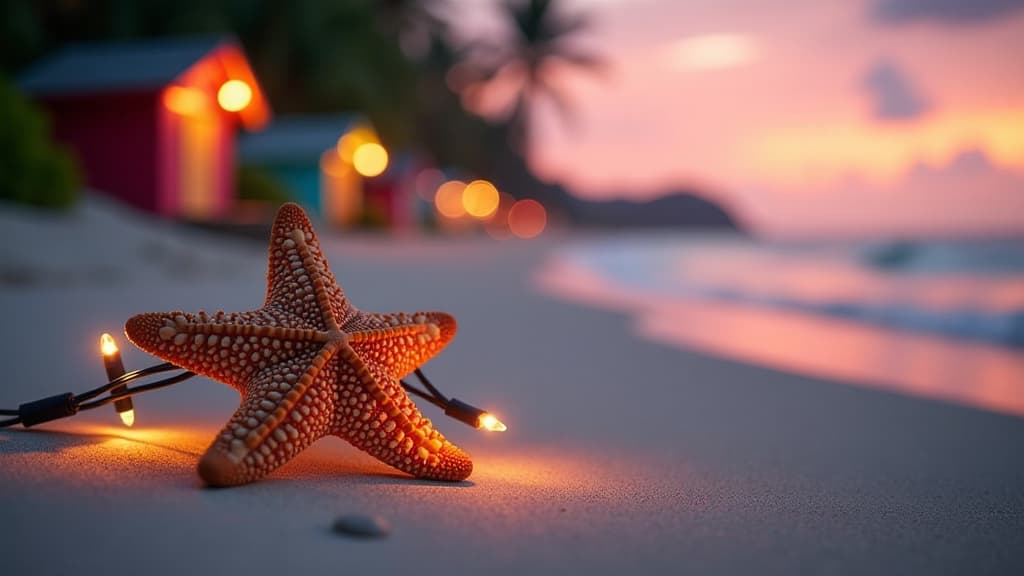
308,364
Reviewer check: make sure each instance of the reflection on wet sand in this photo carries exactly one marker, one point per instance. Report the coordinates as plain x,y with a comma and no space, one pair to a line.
968,373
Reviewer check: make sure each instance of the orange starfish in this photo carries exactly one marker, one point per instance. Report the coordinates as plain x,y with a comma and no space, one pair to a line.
308,364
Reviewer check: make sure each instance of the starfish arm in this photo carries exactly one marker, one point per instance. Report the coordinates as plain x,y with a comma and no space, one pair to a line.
283,410
299,280
401,342
226,347
374,414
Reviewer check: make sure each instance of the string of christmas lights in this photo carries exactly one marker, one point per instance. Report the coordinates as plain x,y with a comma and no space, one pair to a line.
120,394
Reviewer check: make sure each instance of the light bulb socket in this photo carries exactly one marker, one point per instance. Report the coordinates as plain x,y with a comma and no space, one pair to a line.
114,366
47,409
465,413
124,404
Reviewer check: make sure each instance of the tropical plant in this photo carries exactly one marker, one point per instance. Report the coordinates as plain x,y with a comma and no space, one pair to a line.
541,47
32,169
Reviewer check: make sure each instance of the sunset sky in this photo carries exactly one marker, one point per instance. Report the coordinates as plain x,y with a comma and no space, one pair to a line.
890,116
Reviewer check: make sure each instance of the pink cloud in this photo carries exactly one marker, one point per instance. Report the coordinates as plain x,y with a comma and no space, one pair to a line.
967,196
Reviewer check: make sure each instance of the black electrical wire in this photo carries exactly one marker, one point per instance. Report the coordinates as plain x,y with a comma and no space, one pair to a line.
71,404
417,392
127,377
437,393
128,392
85,401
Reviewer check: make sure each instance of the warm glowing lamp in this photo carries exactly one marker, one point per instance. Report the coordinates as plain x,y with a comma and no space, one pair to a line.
448,199
370,159
108,347
184,100
115,369
475,417
480,199
234,95
487,421
353,139
527,218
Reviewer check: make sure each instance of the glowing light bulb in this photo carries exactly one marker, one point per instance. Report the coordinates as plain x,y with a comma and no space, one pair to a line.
234,95
114,367
448,199
185,101
487,421
480,199
107,345
370,159
353,139
527,218
128,417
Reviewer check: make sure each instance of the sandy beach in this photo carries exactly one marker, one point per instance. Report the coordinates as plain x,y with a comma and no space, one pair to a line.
622,455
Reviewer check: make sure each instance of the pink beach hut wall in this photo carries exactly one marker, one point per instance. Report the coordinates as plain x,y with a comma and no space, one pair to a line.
153,122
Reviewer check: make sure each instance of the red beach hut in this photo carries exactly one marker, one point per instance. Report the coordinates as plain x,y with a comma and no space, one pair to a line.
153,122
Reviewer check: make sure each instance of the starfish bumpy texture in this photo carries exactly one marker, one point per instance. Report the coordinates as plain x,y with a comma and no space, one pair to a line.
308,364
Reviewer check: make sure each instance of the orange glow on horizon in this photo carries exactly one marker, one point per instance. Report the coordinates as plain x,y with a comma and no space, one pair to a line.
448,199
234,95
480,199
882,153
370,159
527,218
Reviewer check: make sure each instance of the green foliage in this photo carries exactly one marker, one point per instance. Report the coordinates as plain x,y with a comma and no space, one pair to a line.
32,169
543,38
254,183
373,217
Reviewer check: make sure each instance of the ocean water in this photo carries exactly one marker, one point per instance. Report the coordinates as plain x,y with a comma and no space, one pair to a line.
941,319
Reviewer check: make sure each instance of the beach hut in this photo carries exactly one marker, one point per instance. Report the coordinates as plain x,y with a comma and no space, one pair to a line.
300,152
153,122
334,165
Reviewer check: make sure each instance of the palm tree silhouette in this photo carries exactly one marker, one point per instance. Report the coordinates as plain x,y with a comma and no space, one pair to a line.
541,47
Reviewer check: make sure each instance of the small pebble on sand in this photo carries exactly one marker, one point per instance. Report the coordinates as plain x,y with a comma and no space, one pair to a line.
361,526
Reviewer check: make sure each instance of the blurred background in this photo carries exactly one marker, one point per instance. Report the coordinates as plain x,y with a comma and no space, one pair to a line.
830,188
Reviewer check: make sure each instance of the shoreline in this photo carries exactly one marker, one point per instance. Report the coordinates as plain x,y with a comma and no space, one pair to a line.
859,354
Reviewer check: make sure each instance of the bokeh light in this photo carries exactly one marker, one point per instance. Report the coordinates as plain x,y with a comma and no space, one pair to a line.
353,139
185,101
480,199
427,182
370,159
234,95
448,199
333,166
497,225
527,218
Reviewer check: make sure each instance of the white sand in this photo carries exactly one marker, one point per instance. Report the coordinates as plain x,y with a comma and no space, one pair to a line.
622,456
